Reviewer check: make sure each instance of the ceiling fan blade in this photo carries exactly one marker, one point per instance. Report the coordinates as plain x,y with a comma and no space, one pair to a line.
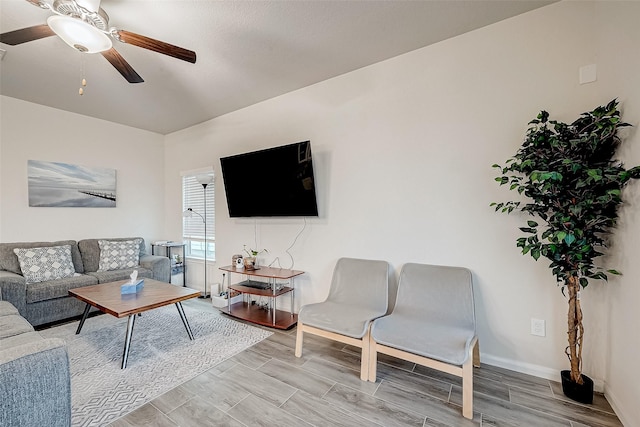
122,66
157,46
28,34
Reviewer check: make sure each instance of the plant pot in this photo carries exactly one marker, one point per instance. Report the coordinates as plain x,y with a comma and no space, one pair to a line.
582,393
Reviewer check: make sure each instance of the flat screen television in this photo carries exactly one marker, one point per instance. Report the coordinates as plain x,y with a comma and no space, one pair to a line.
274,182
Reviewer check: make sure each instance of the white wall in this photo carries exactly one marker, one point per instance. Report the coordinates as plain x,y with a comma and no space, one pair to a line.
34,132
618,71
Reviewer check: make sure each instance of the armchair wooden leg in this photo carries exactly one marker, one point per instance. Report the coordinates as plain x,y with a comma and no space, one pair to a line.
364,361
467,381
373,359
299,338
467,389
476,354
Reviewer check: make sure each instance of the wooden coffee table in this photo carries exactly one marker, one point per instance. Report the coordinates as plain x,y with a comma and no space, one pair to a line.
107,298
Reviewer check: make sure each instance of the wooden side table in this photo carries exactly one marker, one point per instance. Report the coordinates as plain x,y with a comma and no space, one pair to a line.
271,289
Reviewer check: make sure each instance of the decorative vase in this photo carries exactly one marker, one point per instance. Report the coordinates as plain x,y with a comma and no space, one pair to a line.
582,393
250,263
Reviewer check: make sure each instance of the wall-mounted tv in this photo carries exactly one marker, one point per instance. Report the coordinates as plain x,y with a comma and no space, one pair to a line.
277,181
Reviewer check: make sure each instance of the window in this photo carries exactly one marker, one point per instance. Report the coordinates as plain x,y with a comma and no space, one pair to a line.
194,195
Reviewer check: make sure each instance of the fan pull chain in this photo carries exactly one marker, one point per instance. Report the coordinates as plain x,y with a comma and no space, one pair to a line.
82,74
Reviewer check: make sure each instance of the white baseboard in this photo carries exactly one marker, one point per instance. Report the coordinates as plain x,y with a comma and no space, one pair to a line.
613,401
531,369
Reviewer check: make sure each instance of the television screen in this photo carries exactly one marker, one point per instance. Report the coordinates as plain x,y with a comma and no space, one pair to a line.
277,181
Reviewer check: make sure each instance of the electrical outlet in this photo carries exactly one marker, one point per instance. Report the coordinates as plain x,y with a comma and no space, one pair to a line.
537,327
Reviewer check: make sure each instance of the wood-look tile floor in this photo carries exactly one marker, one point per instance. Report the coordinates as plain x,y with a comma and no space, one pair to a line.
266,385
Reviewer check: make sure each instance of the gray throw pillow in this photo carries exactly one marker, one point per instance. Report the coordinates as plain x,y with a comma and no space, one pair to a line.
119,255
48,263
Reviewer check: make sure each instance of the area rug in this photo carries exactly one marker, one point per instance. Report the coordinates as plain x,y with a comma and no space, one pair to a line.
161,357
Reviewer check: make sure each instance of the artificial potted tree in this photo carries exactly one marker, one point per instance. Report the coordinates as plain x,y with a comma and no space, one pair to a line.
571,185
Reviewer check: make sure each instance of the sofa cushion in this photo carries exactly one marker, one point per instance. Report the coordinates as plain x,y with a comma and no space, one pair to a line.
115,275
51,289
6,308
47,263
90,251
118,255
20,339
14,324
9,260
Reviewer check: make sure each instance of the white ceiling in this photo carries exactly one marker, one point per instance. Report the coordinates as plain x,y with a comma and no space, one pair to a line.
247,51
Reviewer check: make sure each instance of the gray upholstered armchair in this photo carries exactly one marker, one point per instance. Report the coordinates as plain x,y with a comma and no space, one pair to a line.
358,295
432,324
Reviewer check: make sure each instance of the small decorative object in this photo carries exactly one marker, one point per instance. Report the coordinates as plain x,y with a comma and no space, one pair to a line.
250,261
133,286
234,259
239,262
572,187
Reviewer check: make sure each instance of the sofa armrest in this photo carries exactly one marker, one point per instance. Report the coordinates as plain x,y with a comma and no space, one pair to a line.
35,384
160,266
14,289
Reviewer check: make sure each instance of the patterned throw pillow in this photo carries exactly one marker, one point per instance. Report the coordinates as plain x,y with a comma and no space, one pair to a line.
118,255
42,264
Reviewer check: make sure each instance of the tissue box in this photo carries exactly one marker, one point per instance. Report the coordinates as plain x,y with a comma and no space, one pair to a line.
132,288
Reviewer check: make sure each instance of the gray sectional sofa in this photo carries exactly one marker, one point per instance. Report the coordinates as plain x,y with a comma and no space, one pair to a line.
35,385
48,301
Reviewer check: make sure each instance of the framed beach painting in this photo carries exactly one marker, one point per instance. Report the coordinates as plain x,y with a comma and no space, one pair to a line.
53,184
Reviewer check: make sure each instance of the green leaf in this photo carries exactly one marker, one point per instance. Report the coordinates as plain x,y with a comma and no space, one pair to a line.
527,230
535,253
614,272
595,174
569,239
532,223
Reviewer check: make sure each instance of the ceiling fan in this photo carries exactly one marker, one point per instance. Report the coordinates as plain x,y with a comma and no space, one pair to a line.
84,25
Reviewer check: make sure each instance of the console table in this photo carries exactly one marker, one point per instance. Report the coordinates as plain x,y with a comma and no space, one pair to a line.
247,311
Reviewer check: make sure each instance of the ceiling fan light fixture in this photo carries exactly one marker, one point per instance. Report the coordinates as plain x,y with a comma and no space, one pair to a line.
79,35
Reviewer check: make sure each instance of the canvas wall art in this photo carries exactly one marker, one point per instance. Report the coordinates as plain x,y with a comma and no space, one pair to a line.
53,184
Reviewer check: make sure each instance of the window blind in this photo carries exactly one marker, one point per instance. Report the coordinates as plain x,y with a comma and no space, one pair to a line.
193,227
